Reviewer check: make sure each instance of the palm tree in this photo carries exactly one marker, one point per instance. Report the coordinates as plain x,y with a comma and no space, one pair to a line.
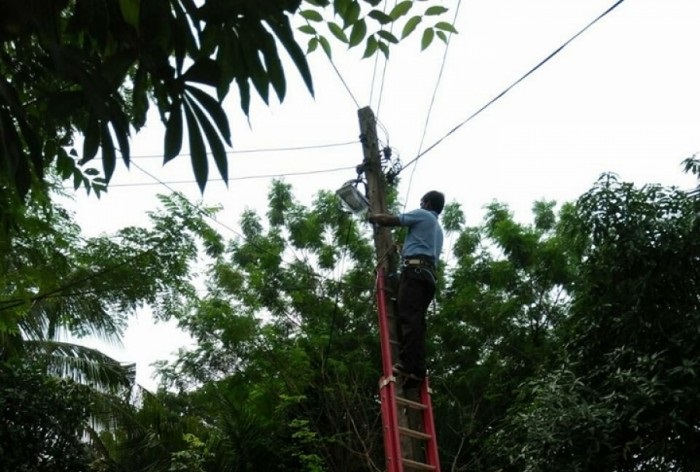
56,288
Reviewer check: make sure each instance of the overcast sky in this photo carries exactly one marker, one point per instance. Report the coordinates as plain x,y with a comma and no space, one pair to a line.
623,97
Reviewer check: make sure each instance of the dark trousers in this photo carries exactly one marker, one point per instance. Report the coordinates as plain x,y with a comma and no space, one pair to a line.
416,291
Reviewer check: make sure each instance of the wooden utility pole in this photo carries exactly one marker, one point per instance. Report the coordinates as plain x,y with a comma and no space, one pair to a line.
376,194
376,188
387,256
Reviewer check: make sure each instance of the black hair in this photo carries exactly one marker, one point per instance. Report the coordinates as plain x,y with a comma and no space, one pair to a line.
436,200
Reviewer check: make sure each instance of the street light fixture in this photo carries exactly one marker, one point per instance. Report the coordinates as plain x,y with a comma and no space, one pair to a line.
353,200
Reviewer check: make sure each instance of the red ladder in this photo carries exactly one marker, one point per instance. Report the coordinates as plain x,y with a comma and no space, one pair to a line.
391,402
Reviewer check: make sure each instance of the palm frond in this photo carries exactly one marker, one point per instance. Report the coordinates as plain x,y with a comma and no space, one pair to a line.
83,365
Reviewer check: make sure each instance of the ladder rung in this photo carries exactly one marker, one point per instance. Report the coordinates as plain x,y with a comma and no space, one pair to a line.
417,465
413,433
411,403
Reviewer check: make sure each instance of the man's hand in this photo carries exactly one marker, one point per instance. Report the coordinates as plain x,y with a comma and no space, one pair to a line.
383,219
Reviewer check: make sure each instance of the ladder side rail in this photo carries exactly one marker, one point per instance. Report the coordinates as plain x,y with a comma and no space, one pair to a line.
431,449
384,331
387,386
392,439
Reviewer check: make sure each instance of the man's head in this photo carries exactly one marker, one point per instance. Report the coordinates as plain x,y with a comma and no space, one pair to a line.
433,200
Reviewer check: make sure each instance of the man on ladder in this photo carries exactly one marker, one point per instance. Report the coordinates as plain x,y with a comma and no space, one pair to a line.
420,254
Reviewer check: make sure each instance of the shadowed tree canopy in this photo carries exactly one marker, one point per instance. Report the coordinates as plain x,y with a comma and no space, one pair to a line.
92,68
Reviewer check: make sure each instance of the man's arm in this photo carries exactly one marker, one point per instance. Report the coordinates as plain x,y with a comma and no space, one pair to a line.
383,219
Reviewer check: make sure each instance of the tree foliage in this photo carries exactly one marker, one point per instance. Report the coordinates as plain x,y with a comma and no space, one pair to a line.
91,69
621,397
285,338
568,343
56,288
564,344
42,422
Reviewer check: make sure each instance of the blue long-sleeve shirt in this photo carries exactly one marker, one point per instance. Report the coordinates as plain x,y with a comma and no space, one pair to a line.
424,236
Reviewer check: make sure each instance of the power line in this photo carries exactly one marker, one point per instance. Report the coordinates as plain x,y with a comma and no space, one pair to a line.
233,231
432,99
490,102
247,177
386,62
236,233
340,76
253,151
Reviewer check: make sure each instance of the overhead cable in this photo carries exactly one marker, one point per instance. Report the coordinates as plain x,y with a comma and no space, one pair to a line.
253,151
432,99
540,64
246,177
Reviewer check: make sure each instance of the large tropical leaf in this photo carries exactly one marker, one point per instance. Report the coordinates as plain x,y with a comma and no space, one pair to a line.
83,365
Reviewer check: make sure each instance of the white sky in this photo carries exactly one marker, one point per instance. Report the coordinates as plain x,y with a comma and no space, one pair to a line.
622,97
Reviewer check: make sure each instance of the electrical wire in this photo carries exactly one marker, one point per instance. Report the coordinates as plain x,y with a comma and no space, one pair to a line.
510,87
247,177
432,101
253,151
386,62
232,230
340,76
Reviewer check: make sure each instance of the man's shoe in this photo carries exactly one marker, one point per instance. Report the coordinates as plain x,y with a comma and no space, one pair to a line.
399,369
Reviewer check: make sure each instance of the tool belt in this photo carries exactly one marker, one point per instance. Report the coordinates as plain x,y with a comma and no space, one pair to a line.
418,262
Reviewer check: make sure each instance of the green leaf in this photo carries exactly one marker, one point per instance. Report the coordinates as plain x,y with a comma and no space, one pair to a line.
318,3
173,132
445,26
92,139
436,10
341,6
229,58
311,15
99,188
244,89
120,125
410,26
91,171
77,178
64,164
198,152
337,32
285,35
357,35
109,158
313,44
387,36
214,110
441,35
273,65
371,47
352,14
307,29
131,10
400,9
427,38
256,71
140,98
380,16
384,48
180,34
61,105
214,140
325,45
205,71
